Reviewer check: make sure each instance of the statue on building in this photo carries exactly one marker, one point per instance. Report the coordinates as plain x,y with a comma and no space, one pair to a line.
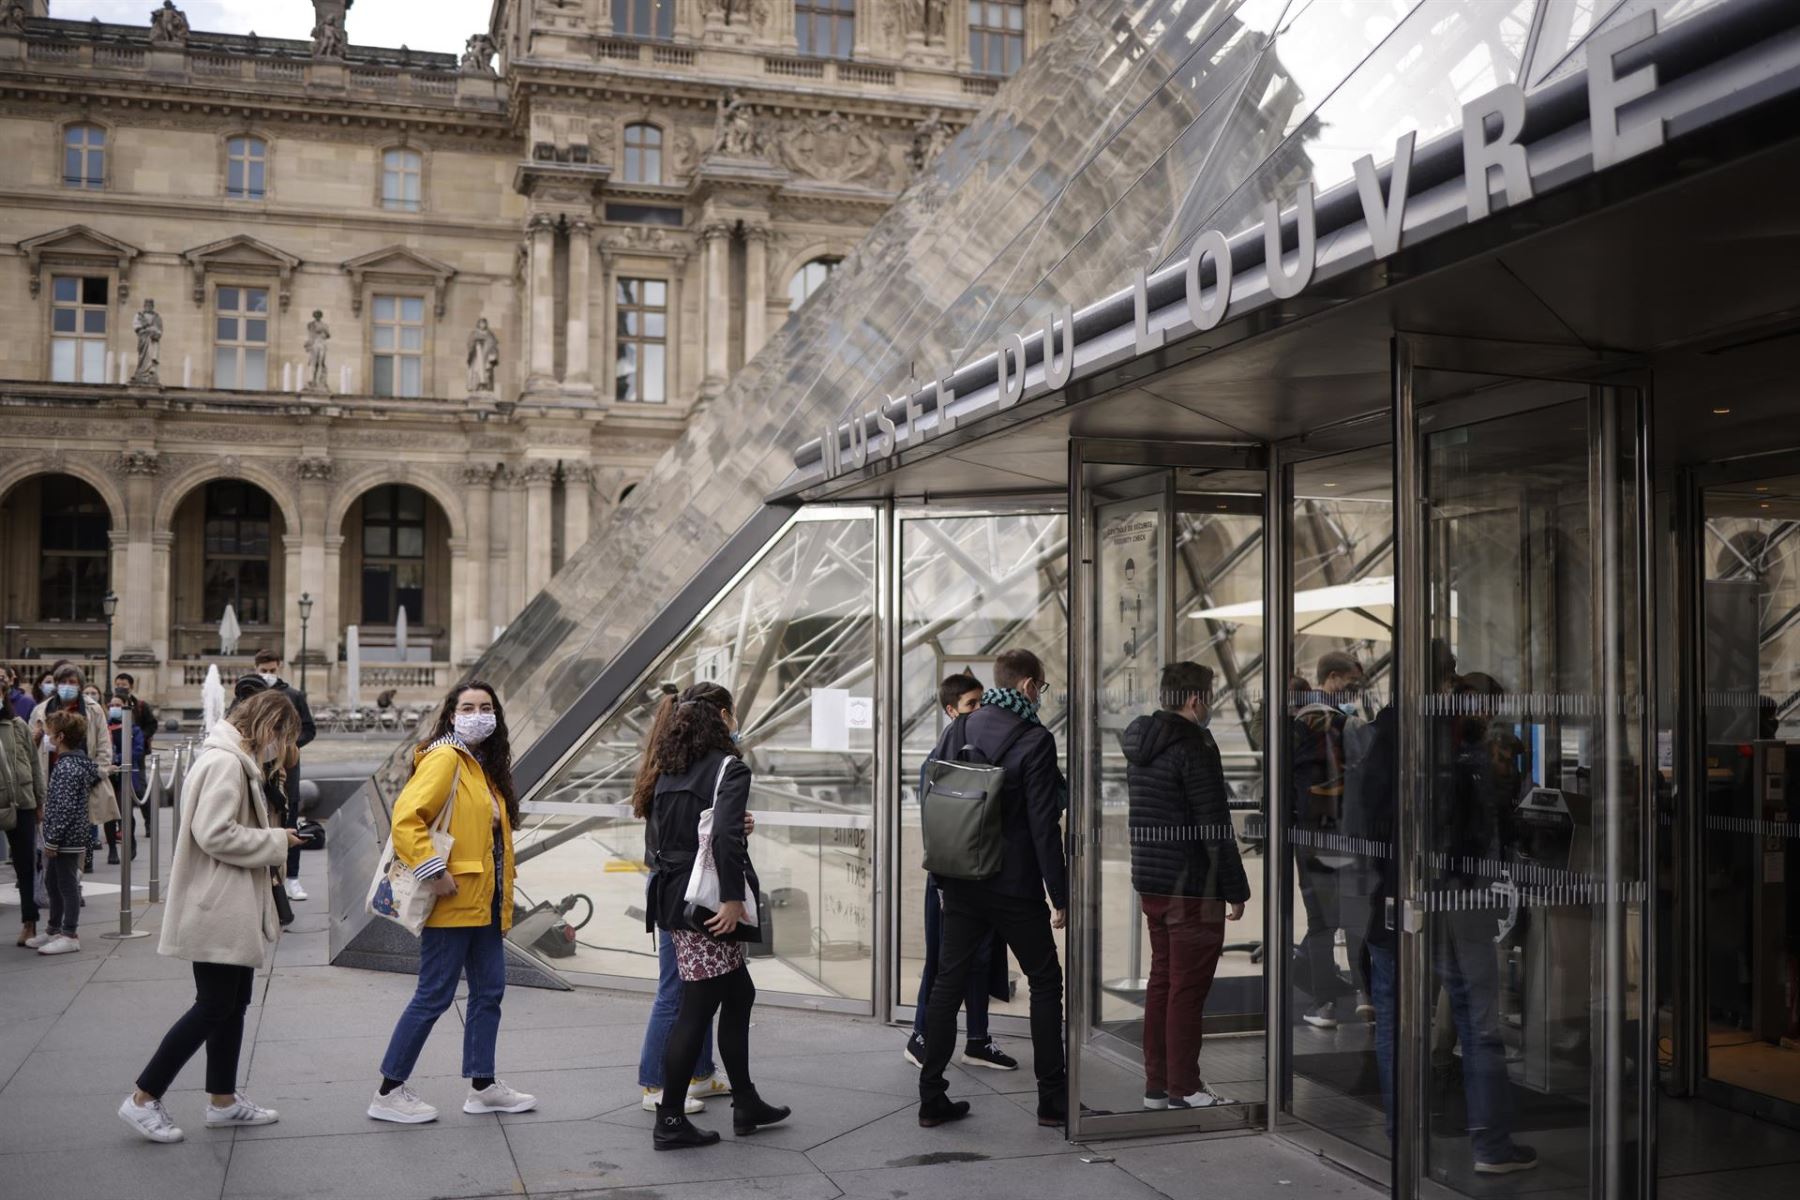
483,358
168,25
318,335
926,19
478,54
328,40
12,16
930,136
148,326
1060,11
734,132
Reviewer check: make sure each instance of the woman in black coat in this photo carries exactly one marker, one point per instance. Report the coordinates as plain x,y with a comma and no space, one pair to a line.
701,769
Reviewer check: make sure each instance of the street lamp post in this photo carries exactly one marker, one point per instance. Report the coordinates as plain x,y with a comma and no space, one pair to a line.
306,603
109,605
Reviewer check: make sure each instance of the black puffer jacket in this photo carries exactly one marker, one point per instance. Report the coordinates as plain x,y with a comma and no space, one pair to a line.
1182,841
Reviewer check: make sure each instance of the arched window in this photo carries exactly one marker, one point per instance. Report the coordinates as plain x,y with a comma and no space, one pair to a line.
84,157
643,154
246,167
393,549
238,541
73,545
809,279
402,173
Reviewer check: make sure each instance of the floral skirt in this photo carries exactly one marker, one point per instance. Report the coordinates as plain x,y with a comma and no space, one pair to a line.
701,956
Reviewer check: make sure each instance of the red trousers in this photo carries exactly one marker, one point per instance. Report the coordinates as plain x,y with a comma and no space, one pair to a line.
1186,938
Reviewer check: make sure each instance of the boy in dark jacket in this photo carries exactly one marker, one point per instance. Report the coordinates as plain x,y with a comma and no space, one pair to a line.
66,828
1188,875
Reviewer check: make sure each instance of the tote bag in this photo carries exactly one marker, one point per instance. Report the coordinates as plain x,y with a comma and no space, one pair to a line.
395,892
703,881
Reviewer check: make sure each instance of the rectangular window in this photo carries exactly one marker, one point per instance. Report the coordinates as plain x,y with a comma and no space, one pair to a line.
996,36
393,574
246,167
826,28
401,171
73,541
644,214
640,371
78,314
644,18
84,157
241,339
399,346
237,547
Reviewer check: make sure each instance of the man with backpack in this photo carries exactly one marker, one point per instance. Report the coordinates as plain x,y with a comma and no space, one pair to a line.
992,825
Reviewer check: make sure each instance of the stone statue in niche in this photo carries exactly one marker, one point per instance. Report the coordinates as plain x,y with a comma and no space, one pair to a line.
930,136
483,357
925,19
478,54
328,40
12,16
148,325
318,336
735,133
168,25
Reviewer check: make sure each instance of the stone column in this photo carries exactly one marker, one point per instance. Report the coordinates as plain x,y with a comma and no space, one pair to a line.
517,552
578,487
460,564
308,574
543,303
136,583
576,373
477,481
538,477
327,628
500,542
161,565
717,303
756,289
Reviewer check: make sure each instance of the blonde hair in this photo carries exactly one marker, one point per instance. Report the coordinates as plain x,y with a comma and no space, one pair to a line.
265,720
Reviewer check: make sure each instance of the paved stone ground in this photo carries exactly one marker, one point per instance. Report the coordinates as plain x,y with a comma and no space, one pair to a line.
75,1030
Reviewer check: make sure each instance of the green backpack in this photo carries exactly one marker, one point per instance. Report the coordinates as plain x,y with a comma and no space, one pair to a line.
959,810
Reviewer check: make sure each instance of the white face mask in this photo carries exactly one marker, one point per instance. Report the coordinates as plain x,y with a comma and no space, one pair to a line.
474,728
270,754
269,677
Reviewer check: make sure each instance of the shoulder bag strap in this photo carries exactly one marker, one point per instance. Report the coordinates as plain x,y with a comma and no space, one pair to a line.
1012,739
441,823
720,781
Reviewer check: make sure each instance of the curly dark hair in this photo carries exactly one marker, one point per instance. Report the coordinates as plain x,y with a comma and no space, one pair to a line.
494,754
643,785
695,729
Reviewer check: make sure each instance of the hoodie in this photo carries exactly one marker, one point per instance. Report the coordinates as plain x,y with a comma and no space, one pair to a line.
66,808
1182,840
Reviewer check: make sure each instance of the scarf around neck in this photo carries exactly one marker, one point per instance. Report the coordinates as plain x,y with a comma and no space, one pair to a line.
1013,701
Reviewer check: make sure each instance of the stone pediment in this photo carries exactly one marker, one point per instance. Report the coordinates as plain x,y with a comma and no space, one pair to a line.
241,252
80,246
398,265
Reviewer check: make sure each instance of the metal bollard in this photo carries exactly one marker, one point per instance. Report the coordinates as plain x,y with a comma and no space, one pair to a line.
128,832
152,819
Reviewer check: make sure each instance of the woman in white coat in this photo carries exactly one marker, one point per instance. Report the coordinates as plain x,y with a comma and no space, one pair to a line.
221,912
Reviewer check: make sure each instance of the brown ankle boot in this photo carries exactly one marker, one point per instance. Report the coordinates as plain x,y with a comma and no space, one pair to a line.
27,930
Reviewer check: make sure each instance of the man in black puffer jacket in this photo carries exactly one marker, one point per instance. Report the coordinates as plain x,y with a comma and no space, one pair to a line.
1188,876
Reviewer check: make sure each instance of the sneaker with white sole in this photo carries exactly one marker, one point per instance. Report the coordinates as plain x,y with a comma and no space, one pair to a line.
241,1111
295,891
61,944
653,1100
1322,1017
499,1097
39,940
1204,1098
988,1054
708,1086
915,1050
151,1120
1156,1101
401,1106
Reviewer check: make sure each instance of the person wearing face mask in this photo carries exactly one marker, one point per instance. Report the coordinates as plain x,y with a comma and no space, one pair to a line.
1188,874
68,696
268,665
1007,732
142,715
465,763
220,913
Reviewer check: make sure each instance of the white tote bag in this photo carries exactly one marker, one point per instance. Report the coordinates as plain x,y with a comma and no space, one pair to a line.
703,882
395,892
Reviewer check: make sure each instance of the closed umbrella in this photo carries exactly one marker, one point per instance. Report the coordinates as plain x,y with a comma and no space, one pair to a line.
400,634
352,669
229,631
212,697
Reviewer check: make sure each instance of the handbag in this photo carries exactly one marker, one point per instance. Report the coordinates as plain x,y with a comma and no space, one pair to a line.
284,908
40,887
395,892
703,881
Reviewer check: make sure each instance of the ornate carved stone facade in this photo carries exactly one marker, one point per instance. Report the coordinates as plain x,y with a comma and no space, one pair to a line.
631,215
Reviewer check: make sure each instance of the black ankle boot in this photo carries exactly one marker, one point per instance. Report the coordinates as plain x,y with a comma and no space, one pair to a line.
87,864
749,1111
112,854
941,1110
676,1132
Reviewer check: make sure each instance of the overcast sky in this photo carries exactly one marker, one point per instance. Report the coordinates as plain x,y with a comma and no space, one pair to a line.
421,24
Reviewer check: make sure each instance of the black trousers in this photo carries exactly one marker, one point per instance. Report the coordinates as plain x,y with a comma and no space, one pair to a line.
970,918
222,991
731,996
21,844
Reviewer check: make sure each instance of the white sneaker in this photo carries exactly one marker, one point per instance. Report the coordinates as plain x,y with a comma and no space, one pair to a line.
653,1100
41,939
295,891
241,1111
151,1120
1204,1098
401,1106
61,944
706,1089
497,1097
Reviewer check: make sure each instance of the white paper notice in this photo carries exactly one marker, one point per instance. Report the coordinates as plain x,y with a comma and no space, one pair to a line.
830,719
861,713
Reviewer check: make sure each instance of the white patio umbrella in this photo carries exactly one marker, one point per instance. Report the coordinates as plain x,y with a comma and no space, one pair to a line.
229,631
1362,611
212,697
352,669
400,634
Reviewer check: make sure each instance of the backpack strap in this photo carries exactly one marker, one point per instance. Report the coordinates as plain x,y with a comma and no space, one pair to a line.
1012,739
958,734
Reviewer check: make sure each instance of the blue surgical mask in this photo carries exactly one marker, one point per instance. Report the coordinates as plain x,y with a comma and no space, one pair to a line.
1349,708
47,688
115,713
67,692
736,737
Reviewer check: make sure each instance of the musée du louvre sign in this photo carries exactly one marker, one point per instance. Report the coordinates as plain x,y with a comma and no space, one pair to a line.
1491,149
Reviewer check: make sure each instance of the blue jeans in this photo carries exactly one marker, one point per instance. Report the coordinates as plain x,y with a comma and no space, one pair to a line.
1468,969
662,1019
444,954
975,995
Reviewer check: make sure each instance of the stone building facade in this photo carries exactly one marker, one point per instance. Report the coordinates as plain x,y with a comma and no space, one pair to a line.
387,331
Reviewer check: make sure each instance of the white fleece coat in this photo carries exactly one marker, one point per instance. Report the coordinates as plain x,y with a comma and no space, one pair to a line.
221,908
